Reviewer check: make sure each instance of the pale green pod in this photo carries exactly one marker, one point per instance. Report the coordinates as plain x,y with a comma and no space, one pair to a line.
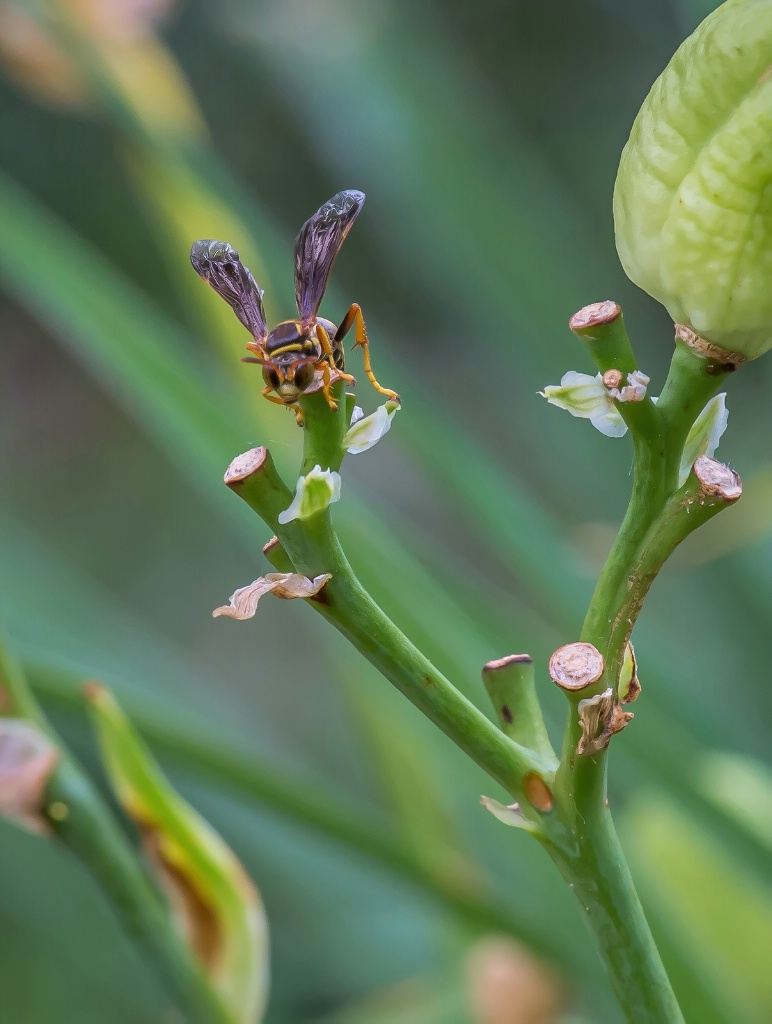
693,196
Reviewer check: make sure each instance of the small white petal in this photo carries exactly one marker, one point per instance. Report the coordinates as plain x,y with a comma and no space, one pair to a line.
509,815
609,422
588,398
705,434
288,585
313,493
356,415
634,390
578,393
364,433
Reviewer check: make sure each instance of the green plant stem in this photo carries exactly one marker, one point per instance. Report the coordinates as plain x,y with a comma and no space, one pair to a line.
82,822
599,876
691,382
578,833
511,686
590,858
313,549
653,525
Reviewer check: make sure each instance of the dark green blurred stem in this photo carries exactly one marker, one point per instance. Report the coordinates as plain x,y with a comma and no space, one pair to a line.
81,821
89,831
302,802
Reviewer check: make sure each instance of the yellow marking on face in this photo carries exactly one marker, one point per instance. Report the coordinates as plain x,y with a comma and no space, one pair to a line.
294,347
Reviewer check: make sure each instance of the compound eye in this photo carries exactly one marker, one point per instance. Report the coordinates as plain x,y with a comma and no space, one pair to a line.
271,377
304,376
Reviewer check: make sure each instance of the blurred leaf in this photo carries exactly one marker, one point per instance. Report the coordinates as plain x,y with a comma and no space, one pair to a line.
742,787
215,904
412,779
722,916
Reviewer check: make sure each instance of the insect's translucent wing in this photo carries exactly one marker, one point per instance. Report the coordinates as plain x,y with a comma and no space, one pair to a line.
317,246
220,266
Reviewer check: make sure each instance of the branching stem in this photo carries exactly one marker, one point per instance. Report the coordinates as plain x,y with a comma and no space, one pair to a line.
577,829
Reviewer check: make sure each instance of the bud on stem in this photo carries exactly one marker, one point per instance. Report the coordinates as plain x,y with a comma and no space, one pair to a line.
692,211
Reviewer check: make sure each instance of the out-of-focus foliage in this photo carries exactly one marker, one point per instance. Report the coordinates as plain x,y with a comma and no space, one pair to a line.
486,137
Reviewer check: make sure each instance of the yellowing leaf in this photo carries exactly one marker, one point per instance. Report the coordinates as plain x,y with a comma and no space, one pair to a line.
214,903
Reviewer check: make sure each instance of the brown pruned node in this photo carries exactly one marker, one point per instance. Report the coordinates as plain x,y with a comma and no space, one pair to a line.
576,666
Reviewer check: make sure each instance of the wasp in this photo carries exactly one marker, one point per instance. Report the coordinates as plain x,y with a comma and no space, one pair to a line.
295,350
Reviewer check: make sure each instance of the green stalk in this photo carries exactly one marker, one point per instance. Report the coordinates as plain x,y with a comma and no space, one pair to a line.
578,831
598,875
313,549
81,821
656,521
691,382
589,858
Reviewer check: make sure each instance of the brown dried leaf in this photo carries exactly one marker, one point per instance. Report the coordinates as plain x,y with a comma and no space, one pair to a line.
286,585
600,718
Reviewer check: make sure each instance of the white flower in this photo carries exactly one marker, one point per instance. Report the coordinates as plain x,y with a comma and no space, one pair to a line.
366,431
313,493
243,603
705,434
588,398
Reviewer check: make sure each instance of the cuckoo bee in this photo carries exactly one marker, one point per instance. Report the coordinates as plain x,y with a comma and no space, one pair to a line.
295,350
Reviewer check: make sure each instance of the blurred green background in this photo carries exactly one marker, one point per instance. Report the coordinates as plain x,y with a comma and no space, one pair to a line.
486,137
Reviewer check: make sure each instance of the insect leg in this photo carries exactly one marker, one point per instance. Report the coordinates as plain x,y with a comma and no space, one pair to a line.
327,377
329,352
266,393
355,319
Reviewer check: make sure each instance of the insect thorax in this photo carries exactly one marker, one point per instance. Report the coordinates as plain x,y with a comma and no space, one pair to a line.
287,342
289,337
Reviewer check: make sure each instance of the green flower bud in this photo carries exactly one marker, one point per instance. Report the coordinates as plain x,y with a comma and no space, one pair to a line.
693,196
313,494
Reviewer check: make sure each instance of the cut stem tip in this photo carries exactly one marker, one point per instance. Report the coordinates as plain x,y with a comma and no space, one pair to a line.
245,466
717,480
574,667
594,315
503,663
